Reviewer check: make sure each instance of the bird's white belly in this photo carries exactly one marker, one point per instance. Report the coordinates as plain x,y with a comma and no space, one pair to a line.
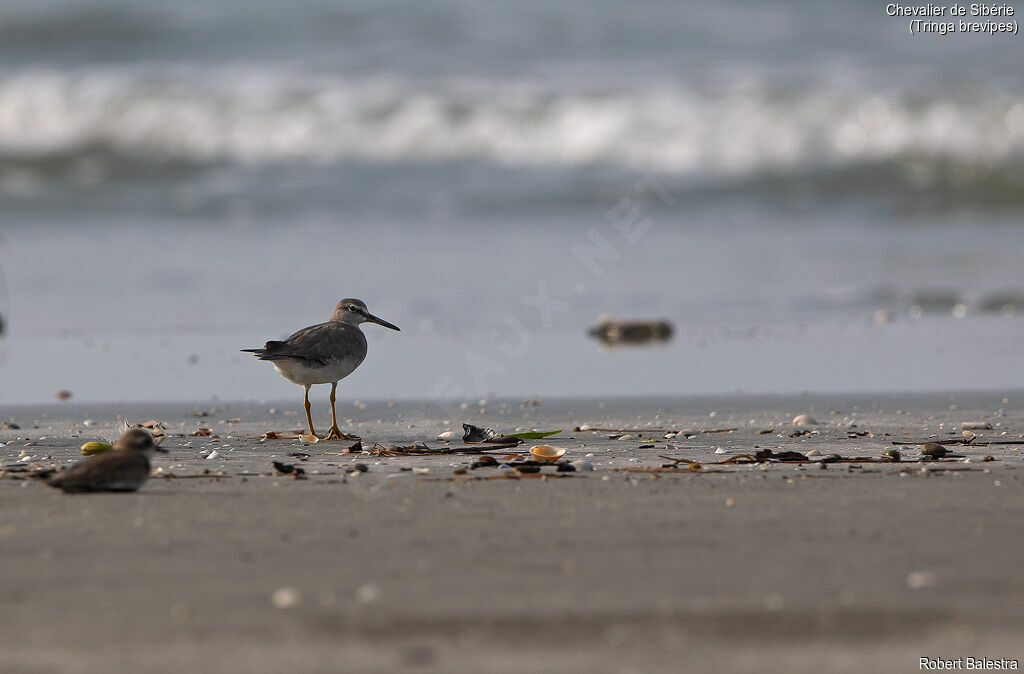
302,374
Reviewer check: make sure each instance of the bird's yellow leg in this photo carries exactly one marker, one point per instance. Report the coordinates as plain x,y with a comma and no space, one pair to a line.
334,433
309,417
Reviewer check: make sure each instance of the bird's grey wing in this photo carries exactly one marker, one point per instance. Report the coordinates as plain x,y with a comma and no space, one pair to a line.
317,345
103,471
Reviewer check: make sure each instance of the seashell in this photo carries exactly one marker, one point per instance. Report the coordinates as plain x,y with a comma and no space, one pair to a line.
547,452
212,455
447,435
90,448
975,426
804,420
893,454
933,449
627,436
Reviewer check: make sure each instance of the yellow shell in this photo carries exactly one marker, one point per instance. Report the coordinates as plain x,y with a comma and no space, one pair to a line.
547,452
90,448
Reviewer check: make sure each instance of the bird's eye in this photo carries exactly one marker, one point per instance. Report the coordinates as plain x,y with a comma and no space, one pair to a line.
353,307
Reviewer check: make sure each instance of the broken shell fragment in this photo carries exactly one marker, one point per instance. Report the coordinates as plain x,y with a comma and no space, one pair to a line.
476,435
155,428
90,448
547,452
447,435
975,426
892,454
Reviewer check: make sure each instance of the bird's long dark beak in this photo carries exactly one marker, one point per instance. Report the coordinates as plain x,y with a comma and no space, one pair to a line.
380,321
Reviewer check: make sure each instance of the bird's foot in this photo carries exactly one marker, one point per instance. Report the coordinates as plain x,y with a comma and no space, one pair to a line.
334,433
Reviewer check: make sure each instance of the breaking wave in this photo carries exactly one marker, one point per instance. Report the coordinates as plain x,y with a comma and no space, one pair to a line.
49,120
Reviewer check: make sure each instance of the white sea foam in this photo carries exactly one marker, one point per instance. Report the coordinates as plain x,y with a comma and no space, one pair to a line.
256,116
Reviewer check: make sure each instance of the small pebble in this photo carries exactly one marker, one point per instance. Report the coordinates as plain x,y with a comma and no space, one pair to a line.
917,580
284,597
368,594
933,449
582,465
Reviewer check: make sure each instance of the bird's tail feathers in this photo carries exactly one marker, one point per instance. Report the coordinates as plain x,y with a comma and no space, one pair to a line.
266,352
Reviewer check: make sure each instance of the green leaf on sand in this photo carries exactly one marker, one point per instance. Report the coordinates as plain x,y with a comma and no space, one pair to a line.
535,435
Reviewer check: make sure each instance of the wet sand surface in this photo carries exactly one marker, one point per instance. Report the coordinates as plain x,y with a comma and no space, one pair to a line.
766,567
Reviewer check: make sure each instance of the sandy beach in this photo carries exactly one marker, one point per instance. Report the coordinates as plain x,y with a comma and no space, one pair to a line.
225,564
573,214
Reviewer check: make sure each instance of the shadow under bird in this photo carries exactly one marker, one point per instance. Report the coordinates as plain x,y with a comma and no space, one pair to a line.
324,353
124,467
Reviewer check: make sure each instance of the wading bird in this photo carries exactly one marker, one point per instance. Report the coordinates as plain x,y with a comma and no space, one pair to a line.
324,353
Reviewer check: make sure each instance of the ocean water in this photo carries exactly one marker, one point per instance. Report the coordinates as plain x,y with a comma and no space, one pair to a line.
816,199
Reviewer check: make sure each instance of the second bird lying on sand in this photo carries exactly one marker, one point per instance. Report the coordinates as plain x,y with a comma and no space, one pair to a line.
125,467
324,353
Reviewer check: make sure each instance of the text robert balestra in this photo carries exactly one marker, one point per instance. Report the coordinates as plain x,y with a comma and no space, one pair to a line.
974,664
